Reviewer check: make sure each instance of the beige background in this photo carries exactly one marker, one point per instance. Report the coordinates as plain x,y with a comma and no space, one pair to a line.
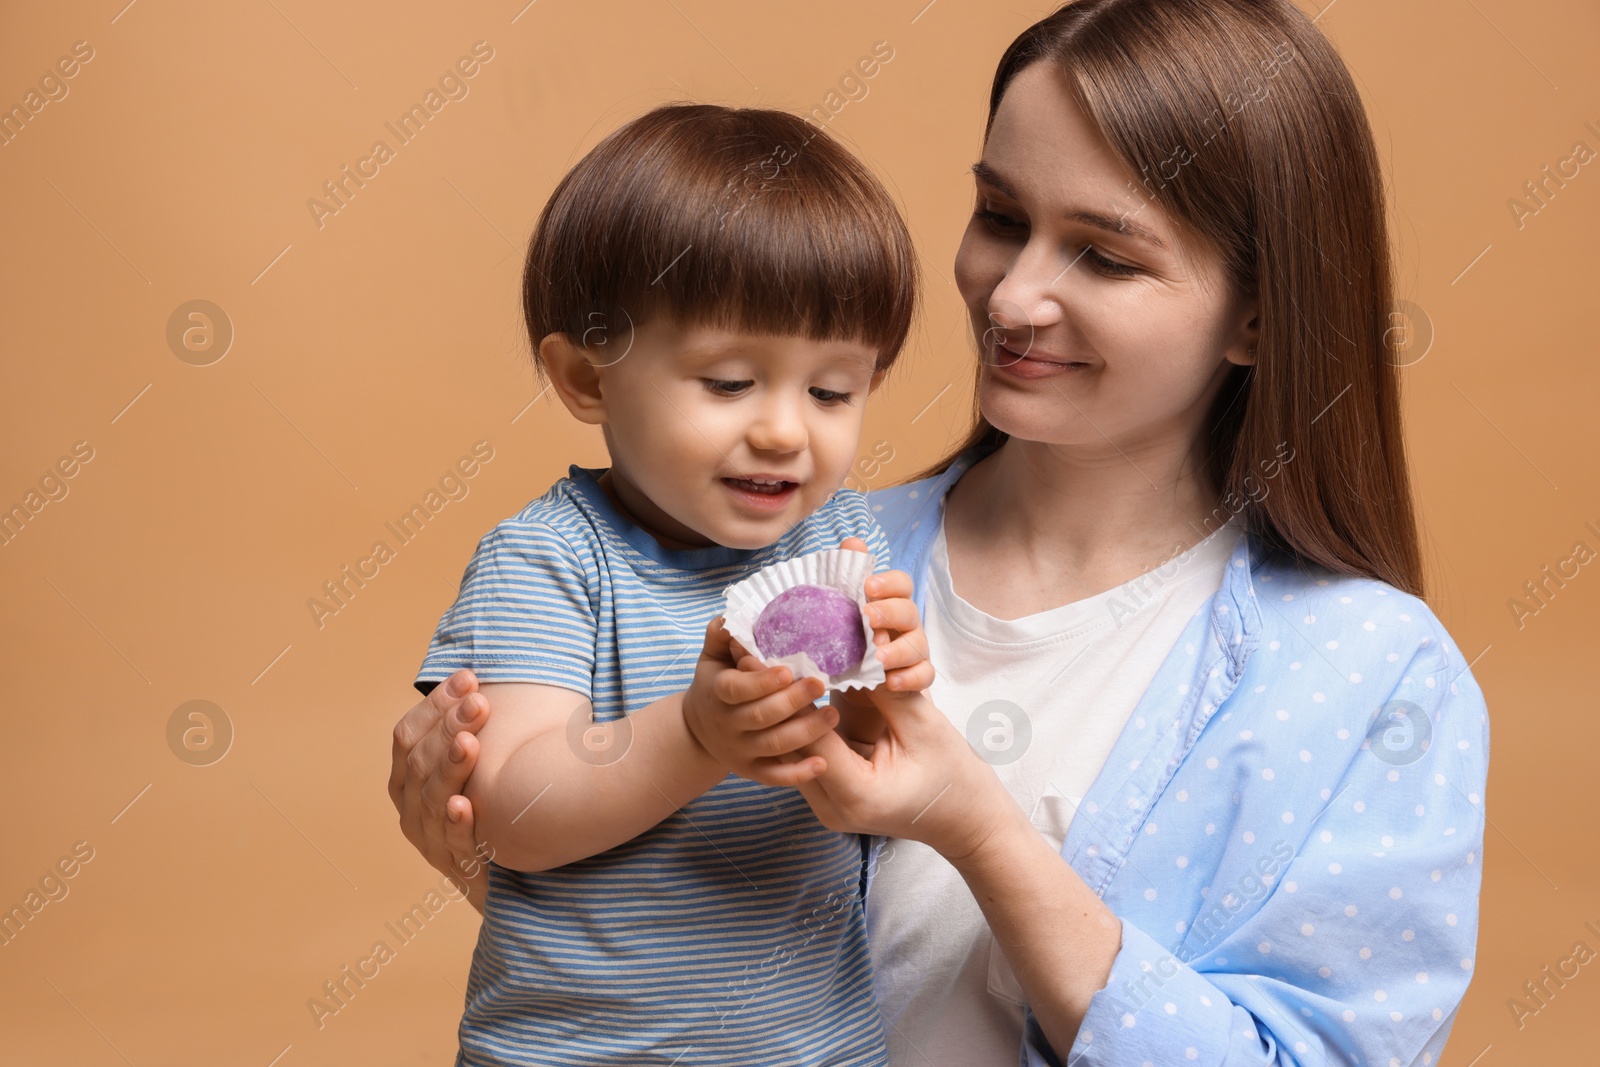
374,351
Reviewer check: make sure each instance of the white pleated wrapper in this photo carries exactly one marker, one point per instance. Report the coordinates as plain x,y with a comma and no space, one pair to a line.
834,568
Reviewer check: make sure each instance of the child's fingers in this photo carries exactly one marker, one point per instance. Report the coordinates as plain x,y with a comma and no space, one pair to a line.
854,544
889,584
717,640
741,687
771,710
795,732
894,613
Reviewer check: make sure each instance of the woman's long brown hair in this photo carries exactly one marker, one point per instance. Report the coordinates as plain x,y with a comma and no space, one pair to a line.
1241,121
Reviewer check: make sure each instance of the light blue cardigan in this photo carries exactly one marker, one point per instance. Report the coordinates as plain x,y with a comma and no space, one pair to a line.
1290,827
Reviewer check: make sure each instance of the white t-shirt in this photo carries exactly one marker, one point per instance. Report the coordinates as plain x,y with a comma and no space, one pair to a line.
1043,698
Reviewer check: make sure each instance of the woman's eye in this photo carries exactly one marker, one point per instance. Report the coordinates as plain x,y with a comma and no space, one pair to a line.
1107,266
722,387
998,222
829,396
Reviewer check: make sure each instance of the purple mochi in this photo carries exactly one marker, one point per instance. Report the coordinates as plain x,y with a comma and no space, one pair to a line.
823,623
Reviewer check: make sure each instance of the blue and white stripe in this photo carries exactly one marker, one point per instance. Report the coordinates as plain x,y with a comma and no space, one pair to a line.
730,933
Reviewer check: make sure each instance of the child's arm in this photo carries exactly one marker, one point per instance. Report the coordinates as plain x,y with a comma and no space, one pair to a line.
546,793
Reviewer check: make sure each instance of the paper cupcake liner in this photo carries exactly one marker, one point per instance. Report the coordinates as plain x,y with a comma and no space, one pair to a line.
838,568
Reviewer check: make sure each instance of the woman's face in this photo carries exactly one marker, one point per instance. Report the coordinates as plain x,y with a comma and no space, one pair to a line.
1099,332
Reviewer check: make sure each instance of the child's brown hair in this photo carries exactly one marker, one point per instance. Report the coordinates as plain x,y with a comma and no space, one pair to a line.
746,219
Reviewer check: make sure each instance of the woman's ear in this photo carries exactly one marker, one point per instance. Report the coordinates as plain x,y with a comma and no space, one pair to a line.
1242,347
574,378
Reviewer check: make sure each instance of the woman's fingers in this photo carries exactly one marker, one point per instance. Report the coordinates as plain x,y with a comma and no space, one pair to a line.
449,776
889,584
460,838
786,773
466,712
460,835
416,723
897,613
844,780
918,676
903,651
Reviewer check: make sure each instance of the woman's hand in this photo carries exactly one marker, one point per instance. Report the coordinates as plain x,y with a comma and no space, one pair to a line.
919,780
902,648
435,749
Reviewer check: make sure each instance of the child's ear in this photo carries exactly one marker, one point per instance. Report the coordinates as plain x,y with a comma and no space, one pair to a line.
877,380
574,378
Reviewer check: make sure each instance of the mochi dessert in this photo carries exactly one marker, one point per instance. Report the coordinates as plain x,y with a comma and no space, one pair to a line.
806,613
823,623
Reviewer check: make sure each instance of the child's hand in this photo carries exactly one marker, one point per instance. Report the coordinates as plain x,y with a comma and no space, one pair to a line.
754,720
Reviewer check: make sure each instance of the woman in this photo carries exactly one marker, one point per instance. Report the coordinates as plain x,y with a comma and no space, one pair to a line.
1225,808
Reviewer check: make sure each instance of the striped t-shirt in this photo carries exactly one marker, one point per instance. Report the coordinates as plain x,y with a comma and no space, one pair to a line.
730,933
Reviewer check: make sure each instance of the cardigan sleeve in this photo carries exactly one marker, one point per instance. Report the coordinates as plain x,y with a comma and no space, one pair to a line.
1364,949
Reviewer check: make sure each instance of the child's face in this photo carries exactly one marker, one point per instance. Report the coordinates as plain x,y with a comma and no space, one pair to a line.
689,414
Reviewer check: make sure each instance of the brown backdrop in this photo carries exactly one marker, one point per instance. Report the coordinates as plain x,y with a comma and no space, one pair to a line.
210,499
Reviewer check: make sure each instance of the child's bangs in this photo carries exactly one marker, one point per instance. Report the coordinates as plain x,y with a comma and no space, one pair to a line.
749,220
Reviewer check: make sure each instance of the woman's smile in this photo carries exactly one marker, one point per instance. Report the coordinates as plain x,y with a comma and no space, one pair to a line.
1030,364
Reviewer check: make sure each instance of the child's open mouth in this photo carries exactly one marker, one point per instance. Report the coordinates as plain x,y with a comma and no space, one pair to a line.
763,493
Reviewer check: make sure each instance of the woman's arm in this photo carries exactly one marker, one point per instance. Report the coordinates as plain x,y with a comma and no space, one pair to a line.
1362,947
1361,951
923,782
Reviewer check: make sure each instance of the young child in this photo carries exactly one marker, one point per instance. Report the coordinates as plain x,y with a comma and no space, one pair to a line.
719,290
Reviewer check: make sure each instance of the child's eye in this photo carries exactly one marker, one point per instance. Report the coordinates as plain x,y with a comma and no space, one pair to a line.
829,396
725,388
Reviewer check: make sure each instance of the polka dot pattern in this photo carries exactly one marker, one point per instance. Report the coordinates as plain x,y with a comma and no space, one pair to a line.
1280,874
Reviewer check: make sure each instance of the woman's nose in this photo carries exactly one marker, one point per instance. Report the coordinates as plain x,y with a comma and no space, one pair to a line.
1029,296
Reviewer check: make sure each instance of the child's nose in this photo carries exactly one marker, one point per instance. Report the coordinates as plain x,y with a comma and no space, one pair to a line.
781,427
